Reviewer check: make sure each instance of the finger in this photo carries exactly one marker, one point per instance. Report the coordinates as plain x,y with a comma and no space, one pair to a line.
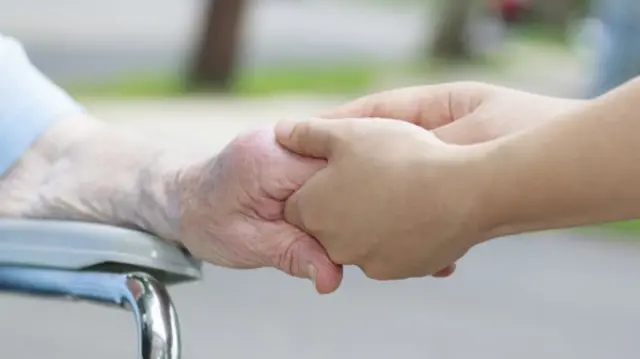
402,104
306,258
426,106
470,129
313,138
446,272
292,209
307,200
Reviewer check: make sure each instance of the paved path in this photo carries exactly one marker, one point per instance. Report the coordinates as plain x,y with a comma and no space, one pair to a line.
549,295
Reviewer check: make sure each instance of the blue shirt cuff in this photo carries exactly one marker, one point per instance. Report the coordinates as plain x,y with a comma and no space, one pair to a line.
29,103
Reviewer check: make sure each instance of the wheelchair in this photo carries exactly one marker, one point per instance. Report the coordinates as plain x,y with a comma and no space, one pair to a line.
101,264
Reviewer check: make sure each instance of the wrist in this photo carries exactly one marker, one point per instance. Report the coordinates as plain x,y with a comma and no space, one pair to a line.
467,185
497,197
481,172
507,198
85,170
536,178
156,199
161,191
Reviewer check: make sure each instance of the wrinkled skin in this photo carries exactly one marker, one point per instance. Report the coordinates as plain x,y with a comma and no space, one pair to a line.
232,210
226,209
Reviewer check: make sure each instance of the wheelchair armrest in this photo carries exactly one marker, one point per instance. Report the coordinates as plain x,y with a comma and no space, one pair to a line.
81,246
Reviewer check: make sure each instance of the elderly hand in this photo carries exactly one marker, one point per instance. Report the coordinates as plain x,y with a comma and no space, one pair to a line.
226,209
460,112
393,200
233,205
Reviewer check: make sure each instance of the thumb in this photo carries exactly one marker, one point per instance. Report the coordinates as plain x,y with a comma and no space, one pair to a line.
313,138
467,130
306,258
445,272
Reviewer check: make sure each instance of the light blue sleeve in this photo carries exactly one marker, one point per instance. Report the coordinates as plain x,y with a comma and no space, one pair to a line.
29,103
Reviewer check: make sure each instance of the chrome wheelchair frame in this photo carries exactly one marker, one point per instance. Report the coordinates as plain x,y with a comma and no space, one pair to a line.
103,265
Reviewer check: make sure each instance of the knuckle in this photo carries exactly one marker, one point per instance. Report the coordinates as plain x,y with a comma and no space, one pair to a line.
304,216
285,259
371,106
293,216
340,256
299,133
377,272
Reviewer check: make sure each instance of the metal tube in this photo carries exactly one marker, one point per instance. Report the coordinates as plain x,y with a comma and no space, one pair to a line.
156,317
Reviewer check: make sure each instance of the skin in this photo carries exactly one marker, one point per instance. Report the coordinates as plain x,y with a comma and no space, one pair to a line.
384,214
226,209
411,203
210,204
583,168
459,113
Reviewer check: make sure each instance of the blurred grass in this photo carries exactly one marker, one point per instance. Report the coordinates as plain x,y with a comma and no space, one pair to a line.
351,78
542,35
523,47
318,80
135,85
632,226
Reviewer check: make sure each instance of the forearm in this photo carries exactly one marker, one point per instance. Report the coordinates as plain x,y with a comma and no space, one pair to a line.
582,168
86,170
58,163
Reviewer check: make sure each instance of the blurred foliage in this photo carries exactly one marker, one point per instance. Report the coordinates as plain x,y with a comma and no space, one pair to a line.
536,32
583,7
551,20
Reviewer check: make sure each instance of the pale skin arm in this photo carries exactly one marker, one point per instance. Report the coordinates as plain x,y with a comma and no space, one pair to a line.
131,185
582,168
223,208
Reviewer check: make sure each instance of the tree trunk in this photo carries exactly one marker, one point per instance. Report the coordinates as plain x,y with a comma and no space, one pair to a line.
451,40
216,55
555,14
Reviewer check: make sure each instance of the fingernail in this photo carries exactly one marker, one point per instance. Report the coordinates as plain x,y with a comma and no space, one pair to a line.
313,272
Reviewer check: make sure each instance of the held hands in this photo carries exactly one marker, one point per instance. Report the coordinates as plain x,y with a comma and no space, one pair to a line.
225,209
394,199
232,210
386,195
391,199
